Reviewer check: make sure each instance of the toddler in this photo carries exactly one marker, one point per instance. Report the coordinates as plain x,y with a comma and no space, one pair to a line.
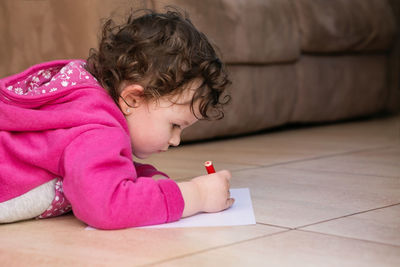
69,128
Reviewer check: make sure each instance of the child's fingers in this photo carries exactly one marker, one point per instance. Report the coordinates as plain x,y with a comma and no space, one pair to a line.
225,173
225,177
229,202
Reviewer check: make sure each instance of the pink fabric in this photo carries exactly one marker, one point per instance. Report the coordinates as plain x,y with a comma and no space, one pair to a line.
57,121
61,205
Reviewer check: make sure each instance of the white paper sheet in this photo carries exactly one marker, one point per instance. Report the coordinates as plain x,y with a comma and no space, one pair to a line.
241,213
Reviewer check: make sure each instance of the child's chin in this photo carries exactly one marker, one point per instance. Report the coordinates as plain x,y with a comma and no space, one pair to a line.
141,155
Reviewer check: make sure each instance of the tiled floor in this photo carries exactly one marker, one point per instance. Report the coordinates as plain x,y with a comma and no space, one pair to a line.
323,196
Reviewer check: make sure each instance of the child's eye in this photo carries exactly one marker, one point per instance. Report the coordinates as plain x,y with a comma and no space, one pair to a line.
176,125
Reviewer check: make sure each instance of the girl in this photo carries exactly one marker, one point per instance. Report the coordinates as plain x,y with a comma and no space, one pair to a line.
69,128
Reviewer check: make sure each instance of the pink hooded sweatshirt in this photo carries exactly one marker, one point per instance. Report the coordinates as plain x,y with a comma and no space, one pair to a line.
57,121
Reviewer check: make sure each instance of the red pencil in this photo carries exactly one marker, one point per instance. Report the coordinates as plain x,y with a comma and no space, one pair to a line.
209,167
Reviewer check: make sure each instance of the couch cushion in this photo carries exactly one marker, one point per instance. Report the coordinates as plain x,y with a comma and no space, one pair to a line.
393,104
345,25
246,31
341,87
262,97
36,31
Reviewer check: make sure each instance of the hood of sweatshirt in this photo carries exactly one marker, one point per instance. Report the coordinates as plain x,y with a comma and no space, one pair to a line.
43,98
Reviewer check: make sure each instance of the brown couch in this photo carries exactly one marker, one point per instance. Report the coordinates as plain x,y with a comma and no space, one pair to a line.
291,61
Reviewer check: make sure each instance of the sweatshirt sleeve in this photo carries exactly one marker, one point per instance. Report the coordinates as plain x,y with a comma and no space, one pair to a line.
104,188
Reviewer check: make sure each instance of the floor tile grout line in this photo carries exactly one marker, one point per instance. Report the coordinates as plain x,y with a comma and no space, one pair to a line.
260,166
311,158
287,229
251,167
347,237
274,225
345,216
333,155
267,235
340,172
216,247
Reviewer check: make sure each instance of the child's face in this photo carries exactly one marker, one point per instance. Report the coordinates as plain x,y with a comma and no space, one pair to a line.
156,125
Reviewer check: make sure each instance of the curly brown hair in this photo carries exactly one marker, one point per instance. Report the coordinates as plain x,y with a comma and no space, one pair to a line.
163,52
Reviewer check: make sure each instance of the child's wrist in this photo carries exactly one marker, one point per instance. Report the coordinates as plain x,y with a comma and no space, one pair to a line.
192,198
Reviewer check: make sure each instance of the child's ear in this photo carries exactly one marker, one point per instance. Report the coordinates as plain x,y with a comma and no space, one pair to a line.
130,97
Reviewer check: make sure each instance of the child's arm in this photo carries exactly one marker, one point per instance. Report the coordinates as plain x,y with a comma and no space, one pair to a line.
104,188
208,193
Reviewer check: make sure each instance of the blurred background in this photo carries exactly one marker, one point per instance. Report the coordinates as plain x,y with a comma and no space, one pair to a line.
291,61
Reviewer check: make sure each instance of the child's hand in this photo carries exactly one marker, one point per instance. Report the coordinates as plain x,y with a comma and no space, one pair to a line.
214,191
208,193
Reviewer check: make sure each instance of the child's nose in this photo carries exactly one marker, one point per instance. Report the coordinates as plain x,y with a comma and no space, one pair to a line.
175,140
